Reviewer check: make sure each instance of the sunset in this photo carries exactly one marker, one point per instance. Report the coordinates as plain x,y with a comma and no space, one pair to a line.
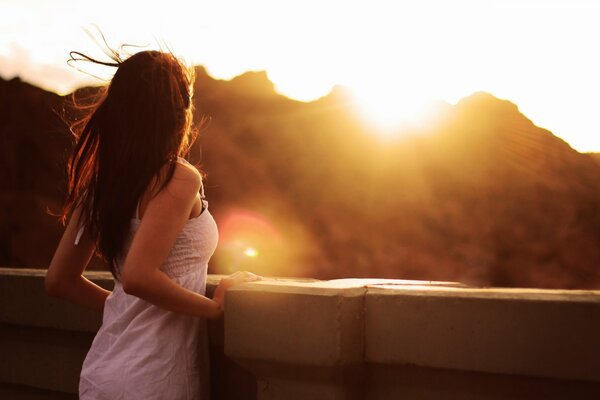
395,57
297,200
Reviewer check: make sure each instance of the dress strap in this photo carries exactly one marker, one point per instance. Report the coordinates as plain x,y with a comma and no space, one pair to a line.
79,233
183,160
203,200
202,196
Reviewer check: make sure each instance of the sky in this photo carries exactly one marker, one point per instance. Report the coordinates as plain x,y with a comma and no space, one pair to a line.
395,56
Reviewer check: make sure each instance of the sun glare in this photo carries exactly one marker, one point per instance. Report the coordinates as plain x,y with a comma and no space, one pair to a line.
391,112
249,240
396,55
250,252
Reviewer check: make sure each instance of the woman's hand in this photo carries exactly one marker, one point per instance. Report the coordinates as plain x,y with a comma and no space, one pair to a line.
231,281
238,278
166,213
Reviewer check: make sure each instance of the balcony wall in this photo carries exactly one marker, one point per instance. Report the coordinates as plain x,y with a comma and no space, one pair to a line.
340,339
43,341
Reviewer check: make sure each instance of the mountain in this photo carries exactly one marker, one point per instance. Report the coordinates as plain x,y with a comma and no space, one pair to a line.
481,195
32,146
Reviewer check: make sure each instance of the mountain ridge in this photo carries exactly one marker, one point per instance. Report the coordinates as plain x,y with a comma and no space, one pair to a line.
482,196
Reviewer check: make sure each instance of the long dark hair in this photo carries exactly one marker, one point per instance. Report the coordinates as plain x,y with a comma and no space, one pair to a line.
130,136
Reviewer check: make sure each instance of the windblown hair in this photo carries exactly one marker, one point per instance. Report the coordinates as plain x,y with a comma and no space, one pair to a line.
128,138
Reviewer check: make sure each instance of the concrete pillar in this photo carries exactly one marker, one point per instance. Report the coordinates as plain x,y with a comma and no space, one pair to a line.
301,341
463,343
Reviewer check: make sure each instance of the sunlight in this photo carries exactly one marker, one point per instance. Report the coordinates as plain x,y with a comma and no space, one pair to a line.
396,56
304,87
392,112
252,240
241,233
250,252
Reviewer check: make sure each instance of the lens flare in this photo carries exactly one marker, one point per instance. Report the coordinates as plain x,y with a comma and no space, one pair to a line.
251,252
252,240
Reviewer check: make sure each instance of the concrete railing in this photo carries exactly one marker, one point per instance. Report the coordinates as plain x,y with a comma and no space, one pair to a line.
43,341
340,339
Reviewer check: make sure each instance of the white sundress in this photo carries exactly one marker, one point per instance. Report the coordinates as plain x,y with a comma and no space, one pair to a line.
142,351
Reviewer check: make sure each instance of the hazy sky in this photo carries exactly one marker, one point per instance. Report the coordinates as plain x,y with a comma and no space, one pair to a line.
395,55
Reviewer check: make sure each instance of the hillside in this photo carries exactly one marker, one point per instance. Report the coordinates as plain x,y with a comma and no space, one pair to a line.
481,196
33,144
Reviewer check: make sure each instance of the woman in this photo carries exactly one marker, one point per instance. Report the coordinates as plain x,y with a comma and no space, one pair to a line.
137,203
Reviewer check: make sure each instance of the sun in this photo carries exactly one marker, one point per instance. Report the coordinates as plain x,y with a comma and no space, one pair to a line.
392,112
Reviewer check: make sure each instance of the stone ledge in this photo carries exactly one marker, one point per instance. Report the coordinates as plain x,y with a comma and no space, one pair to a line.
25,287
528,332
43,341
544,333
294,324
317,323
350,338
24,302
449,291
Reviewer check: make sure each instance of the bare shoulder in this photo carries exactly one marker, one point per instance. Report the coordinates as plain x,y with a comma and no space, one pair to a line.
185,170
186,180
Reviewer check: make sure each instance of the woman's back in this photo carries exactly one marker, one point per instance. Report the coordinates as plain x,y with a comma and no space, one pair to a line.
152,343
152,352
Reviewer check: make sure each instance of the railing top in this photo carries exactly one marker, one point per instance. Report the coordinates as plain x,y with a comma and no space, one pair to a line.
375,286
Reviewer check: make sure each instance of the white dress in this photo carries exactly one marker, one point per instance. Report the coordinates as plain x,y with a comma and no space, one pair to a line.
142,351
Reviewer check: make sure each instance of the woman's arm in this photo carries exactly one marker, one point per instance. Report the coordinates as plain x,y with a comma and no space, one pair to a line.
64,278
165,216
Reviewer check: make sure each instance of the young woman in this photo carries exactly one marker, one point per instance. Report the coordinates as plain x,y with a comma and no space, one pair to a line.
137,203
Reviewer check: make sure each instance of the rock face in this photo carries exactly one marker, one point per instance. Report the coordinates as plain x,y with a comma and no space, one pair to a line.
481,195
33,148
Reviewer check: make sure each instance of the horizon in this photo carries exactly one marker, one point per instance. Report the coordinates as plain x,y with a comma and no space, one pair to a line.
347,93
511,50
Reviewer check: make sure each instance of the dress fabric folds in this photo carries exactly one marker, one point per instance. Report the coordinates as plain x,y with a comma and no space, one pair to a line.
144,352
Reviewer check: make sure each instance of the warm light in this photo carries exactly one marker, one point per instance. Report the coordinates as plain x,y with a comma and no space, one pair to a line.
392,112
243,232
250,252
395,54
